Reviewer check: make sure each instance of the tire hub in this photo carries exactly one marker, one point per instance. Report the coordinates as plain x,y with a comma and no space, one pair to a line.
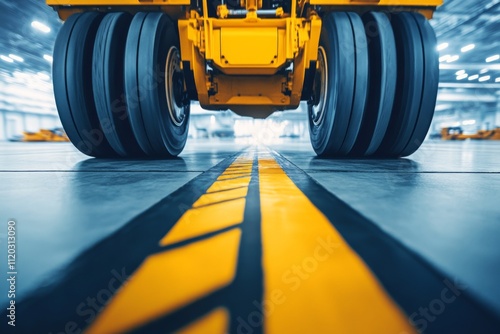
320,89
174,87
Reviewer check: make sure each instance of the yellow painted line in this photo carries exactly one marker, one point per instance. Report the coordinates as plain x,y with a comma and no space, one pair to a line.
239,167
169,280
220,196
218,208
216,322
229,184
239,171
314,282
233,176
174,278
241,164
244,160
200,221
234,172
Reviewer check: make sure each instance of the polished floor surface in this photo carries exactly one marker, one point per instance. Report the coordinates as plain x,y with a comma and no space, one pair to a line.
417,240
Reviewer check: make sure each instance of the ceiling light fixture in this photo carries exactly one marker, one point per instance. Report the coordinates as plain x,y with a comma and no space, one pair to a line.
444,58
442,46
492,58
452,59
497,79
16,58
462,76
48,58
484,70
461,72
473,77
43,76
485,78
40,26
7,59
467,48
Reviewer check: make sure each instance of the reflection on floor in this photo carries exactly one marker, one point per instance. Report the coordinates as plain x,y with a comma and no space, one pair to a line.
236,237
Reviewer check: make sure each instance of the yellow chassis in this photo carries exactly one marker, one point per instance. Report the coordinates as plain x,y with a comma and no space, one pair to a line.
251,64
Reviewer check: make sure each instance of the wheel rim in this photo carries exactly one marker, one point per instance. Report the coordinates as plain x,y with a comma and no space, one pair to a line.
320,89
174,86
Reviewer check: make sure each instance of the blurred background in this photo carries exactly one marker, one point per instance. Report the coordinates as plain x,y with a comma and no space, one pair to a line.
468,34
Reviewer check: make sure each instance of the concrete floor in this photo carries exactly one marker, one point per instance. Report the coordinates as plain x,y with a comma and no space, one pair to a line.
64,202
441,203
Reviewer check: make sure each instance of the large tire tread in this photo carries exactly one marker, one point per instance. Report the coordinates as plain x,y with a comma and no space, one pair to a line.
73,84
151,36
108,84
382,84
344,42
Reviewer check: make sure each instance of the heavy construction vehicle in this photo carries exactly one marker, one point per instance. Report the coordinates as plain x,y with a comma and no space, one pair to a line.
125,71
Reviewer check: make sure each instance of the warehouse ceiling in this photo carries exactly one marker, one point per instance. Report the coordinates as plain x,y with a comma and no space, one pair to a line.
468,34
469,45
25,56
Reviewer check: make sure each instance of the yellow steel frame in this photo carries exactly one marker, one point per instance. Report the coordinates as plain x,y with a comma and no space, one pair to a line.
247,54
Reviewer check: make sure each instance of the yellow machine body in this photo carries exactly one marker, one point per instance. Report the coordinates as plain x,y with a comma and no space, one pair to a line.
241,63
251,61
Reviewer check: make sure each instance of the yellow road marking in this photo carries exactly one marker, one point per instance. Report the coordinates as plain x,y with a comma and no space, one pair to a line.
314,282
220,196
229,184
237,173
200,221
177,277
232,176
238,167
221,206
169,280
216,322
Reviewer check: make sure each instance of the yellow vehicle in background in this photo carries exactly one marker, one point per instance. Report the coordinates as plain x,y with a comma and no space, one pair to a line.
43,135
457,133
53,135
125,71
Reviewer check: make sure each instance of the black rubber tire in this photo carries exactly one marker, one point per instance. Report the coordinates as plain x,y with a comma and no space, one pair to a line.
382,84
151,36
72,77
108,84
414,84
343,40
430,88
